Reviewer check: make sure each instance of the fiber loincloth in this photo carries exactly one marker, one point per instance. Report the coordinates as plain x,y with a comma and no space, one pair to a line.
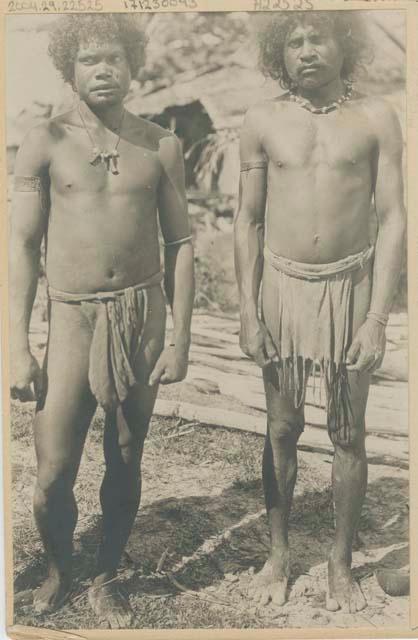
312,327
119,318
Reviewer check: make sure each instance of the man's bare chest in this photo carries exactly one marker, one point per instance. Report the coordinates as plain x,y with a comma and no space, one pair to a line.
305,141
73,169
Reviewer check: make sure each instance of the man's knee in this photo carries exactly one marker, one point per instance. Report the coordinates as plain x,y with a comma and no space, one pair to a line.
347,434
54,480
286,428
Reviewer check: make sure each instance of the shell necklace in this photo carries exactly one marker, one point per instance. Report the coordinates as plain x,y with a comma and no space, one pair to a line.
306,104
100,156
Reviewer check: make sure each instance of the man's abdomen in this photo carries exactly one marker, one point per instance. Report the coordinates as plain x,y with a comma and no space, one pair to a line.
317,215
101,250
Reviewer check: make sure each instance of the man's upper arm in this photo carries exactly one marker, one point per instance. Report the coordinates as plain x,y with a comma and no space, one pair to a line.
29,201
253,175
389,177
172,201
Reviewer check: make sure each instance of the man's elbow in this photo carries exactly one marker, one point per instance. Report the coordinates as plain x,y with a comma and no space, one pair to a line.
24,244
394,227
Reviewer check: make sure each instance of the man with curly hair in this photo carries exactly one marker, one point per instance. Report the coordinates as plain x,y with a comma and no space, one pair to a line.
91,181
315,164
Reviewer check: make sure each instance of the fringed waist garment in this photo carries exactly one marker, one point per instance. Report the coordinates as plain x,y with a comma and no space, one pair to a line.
119,318
313,325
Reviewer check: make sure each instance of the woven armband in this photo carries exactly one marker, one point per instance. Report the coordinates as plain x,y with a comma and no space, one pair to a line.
174,242
258,164
27,183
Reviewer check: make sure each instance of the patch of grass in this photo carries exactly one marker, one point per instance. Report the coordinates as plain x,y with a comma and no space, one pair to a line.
313,510
210,292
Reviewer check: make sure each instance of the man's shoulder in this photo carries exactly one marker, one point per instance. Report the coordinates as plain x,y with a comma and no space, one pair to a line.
49,130
261,112
148,132
378,108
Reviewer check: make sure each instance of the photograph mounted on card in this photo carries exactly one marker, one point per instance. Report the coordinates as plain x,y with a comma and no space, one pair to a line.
208,340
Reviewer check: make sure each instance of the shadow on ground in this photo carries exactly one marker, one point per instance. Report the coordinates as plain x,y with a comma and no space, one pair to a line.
180,527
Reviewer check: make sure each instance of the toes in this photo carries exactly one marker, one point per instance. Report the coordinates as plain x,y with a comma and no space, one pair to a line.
360,601
265,597
279,597
331,603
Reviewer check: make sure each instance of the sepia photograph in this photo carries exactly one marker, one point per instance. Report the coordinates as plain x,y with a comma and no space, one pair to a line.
208,320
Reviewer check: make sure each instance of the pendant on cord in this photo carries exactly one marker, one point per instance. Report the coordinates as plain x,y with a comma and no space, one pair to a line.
108,158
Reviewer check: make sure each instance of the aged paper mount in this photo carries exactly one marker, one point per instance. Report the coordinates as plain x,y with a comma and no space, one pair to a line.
42,7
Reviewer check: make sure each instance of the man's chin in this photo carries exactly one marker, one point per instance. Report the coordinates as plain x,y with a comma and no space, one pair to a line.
104,100
309,84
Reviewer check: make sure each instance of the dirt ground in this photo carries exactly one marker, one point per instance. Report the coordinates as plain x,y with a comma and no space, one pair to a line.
202,511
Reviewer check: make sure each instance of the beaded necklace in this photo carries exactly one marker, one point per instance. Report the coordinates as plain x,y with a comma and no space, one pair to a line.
306,104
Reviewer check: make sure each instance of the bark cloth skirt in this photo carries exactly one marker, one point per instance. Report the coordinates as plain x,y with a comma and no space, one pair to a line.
311,326
119,318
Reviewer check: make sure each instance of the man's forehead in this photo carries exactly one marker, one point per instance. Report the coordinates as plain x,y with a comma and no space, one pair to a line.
309,28
100,46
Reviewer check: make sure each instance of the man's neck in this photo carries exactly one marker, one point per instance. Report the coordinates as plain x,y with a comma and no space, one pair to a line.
325,95
110,116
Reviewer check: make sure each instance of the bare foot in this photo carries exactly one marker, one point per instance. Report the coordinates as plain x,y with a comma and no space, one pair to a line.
271,582
110,606
343,591
51,595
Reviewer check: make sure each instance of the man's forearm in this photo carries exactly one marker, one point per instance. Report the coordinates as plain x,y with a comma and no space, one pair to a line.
249,262
23,282
389,253
180,289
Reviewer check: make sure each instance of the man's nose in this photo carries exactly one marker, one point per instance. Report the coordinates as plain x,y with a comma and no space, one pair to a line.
308,52
103,71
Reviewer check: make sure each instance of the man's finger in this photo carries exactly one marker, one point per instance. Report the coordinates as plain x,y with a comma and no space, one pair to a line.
165,378
375,364
362,363
24,394
38,384
271,350
260,359
156,374
353,352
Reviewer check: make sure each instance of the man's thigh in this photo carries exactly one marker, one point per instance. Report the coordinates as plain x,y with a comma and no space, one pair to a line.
65,411
133,416
357,383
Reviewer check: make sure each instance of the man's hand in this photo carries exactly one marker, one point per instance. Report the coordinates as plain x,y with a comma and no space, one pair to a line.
171,367
368,348
25,371
255,341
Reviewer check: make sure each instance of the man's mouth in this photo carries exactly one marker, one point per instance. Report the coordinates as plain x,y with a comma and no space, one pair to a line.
312,68
105,88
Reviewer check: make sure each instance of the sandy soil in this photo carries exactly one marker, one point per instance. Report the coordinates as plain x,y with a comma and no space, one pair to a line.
198,483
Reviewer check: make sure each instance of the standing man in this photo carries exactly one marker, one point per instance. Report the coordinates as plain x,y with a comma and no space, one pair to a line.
91,181
316,159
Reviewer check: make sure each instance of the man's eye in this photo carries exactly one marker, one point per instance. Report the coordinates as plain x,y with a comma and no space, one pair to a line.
87,61
116,59
294,44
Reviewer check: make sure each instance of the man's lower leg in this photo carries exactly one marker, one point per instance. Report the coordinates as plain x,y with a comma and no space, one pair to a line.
279,477
349,479
56,514
120,496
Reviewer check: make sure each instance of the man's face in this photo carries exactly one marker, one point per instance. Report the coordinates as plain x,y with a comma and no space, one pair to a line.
312,56
101,73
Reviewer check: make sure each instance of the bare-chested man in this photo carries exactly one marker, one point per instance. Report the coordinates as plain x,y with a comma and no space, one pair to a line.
105,173
315,160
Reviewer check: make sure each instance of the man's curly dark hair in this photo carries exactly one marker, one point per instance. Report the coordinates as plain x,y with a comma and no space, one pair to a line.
71,30
347,27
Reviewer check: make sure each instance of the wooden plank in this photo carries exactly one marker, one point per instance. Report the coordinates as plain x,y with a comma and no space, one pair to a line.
249,390
317,439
